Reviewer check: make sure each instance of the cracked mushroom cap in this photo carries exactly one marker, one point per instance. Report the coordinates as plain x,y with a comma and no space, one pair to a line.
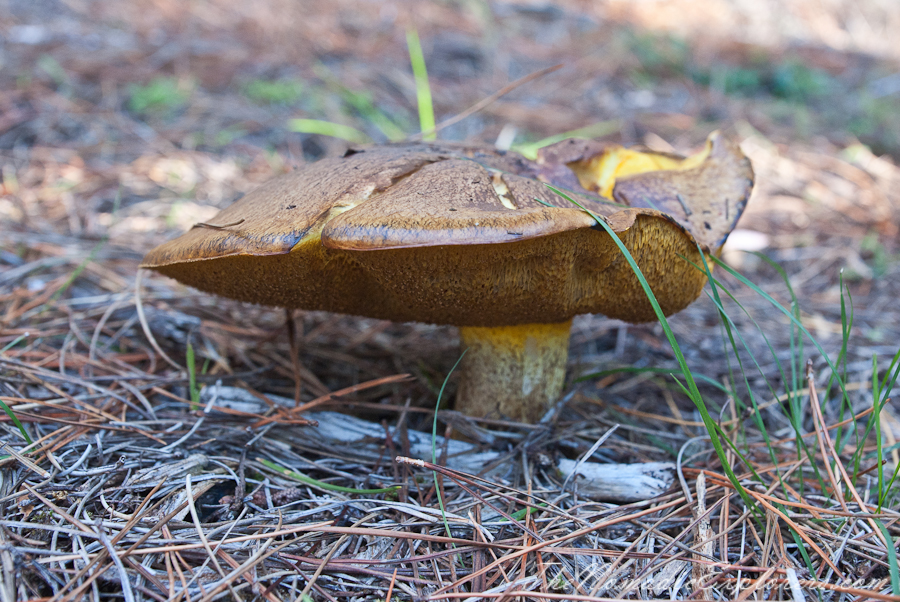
469,236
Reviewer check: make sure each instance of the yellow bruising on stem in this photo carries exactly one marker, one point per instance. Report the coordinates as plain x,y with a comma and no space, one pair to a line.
513,372
600,173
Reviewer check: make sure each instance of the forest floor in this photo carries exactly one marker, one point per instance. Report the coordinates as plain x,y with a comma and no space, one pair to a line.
124,123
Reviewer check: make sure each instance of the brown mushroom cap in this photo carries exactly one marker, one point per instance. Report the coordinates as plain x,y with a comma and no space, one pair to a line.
454,235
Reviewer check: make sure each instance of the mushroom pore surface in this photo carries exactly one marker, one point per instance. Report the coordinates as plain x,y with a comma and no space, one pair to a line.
539,280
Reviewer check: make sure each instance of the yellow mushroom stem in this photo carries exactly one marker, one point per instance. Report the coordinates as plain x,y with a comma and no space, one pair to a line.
512,372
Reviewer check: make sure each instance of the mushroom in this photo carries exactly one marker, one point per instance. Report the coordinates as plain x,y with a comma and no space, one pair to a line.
473,237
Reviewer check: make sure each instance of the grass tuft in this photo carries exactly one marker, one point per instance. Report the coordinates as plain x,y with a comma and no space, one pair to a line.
690,386
328,128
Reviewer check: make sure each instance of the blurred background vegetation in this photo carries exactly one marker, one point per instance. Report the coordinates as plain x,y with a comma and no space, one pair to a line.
212,74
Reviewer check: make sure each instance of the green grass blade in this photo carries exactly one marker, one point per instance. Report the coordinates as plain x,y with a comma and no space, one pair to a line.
437,489
520,514
77,272
423,90
595,130
662,371
846,327
889,490
15,420
328,128
801,545
14,342
724,437
746,282
892,559
887,385
881,392
876,421
321,484
363,104
192,377
6,409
